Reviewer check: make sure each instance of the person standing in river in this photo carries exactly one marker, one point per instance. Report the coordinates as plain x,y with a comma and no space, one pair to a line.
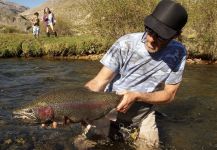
146,68
50,21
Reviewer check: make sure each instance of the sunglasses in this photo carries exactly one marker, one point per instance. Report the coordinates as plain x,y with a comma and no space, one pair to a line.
151,32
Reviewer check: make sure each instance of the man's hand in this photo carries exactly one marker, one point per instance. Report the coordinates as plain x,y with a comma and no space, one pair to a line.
128,99
159,97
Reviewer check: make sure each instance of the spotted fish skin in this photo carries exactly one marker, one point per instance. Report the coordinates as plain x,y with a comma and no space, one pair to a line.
77,104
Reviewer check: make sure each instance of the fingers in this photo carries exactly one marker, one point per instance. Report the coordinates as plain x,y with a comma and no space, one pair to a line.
124,105
128,99
121,106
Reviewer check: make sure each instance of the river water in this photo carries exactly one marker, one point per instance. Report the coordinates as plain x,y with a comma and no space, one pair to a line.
189,122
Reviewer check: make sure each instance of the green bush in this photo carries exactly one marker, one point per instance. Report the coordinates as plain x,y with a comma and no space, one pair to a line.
10,45
202,24
31,48
113,18
63,27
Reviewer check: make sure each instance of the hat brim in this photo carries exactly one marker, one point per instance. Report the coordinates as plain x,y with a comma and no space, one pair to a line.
160,28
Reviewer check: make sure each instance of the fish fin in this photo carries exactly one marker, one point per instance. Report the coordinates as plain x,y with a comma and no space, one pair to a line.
102,127
112,115
84,123
48,122
160,114
66,120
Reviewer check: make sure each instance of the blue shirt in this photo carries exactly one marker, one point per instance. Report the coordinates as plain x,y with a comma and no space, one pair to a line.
139,70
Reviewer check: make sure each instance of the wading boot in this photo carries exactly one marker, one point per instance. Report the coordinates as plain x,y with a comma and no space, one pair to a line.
48,34
55,34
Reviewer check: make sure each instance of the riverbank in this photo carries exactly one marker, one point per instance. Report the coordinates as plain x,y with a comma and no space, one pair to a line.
200,61
99,56
24,45
85,47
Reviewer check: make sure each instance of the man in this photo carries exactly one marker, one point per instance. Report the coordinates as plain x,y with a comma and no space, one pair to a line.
146,69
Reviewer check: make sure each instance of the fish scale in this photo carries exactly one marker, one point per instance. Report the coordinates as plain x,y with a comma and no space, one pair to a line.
77,104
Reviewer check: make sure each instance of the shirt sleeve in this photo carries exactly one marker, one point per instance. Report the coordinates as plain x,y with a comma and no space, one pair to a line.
113,58
176,74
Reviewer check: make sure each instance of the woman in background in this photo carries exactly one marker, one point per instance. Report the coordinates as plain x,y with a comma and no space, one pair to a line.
50,21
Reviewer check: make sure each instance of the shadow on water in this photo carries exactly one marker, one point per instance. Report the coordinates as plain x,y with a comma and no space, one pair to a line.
190,121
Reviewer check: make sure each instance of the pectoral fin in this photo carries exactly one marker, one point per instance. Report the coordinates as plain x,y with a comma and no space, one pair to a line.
112,115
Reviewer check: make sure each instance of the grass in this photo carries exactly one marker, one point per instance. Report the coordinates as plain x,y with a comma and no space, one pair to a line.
24,45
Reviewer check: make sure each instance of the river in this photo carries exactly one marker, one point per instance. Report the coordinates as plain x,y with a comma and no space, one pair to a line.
189,122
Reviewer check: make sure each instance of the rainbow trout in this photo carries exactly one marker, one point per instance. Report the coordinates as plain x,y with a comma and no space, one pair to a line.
76,105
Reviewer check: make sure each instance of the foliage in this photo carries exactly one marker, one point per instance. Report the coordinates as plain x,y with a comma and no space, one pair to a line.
31,48
10,45
63,27
114,18
24,45
202,25
9,29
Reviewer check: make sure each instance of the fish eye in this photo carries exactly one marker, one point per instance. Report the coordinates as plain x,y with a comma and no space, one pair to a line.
29,111
24,117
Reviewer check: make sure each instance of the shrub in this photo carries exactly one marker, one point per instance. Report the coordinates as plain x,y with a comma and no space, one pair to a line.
113,18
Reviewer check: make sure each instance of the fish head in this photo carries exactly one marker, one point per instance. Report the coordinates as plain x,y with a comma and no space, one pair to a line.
35,114
27,114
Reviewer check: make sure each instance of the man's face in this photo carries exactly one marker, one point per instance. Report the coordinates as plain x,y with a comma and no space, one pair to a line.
153,42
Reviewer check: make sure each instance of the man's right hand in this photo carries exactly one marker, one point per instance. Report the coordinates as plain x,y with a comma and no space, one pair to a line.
128,99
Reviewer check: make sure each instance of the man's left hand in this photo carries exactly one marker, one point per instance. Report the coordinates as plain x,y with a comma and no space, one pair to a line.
128,99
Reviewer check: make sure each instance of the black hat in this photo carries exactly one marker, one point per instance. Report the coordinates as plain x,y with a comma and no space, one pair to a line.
167,19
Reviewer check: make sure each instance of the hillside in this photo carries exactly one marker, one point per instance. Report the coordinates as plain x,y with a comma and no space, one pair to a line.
11,7
9,15
67,12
